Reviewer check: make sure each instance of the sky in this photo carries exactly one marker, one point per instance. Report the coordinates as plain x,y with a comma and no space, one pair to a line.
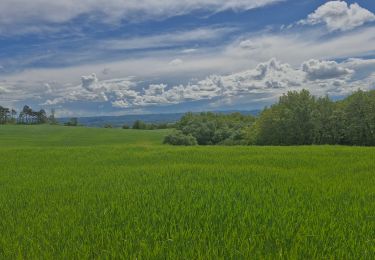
118,57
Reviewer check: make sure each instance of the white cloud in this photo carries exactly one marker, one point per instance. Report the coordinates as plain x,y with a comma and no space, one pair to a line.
3,90
262,84
155,89
312,48
290,48
91,89
296,47
248,44
167,39
269,79
36,14
90,82
176,62
360,63
316,70
187,51
338,15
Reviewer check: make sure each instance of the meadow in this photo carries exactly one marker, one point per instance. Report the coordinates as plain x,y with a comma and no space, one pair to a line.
79,193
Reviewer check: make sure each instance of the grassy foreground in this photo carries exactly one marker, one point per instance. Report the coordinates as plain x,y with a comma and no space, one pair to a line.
77,193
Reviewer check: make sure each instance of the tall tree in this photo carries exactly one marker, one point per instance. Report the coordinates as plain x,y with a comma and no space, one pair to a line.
289,122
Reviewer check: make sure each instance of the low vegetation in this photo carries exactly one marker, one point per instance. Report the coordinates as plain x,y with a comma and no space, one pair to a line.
140,125
78,193
178,138
211,129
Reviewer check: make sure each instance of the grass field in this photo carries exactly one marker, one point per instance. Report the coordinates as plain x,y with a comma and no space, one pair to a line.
77,193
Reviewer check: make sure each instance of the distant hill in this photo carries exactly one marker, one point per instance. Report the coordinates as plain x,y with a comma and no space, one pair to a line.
119,121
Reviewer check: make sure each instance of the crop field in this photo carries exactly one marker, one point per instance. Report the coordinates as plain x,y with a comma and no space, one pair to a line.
79,193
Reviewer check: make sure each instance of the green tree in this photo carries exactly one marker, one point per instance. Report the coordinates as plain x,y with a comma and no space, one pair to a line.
72,122
178,138
289,122
359,113
139,125
52,120
324,120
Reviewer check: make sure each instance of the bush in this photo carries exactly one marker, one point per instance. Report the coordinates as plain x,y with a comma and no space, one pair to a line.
178,138
125,127
211,129
108,126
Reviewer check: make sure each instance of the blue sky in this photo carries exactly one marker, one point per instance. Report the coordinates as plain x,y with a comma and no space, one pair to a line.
123,57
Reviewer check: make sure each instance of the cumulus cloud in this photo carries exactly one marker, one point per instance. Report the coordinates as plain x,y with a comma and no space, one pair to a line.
91,89
37,14
316,70
265,82
155,89
270,78
338,15
90,82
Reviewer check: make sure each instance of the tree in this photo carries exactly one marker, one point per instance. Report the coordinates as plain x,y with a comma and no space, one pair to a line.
72,122
214,128
5,115
52,120
178,138
41,117
324,121
14,115
289,122
139,125
359,115
26,115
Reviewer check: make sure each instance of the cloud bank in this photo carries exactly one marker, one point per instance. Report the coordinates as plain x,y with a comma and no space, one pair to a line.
269,79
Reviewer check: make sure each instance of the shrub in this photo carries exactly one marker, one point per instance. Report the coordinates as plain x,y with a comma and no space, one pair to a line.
178,138
211,129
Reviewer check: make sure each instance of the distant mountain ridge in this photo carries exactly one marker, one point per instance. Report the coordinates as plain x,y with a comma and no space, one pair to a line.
119,121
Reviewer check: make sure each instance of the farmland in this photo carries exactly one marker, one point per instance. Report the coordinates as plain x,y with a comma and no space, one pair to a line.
111,193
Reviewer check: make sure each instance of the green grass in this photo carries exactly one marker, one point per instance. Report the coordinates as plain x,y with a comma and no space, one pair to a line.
56,136
77,193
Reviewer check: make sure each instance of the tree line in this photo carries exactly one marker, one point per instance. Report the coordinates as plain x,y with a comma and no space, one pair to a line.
298,118
141,125
27,116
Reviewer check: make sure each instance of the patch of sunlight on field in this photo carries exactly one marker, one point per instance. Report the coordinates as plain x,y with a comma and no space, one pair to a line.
107,193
